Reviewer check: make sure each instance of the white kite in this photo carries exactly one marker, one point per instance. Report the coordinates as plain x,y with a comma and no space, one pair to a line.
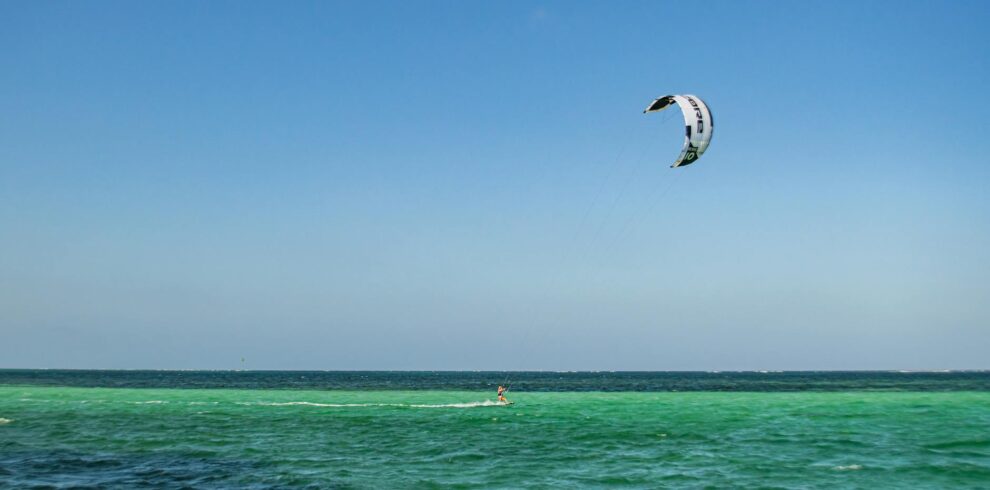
698,125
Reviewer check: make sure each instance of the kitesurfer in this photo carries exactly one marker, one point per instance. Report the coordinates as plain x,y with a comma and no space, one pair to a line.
501,394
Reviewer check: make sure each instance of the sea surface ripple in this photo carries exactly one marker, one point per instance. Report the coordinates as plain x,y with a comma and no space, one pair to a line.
112,437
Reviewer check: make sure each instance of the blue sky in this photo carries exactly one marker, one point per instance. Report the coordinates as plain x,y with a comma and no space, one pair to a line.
461,185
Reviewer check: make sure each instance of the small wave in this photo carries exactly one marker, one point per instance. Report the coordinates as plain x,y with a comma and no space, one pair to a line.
314,404
485,403
5,421
150,402
960,444
852,467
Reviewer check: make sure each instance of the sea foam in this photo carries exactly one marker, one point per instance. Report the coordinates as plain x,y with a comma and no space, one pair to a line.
485,403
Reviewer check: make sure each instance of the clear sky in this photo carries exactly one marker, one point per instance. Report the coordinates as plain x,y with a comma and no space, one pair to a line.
472,185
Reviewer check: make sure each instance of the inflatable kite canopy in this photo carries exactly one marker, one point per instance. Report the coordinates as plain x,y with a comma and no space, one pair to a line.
698,125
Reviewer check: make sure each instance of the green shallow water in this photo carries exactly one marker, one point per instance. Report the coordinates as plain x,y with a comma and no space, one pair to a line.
103,437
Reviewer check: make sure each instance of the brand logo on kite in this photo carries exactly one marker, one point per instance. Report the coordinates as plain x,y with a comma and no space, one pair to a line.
697,114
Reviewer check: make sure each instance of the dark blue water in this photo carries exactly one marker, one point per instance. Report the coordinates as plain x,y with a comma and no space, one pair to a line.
540,381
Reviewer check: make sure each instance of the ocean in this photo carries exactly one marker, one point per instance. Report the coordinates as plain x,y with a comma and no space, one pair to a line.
265,429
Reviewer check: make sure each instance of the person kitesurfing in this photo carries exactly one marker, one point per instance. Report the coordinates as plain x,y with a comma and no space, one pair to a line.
501,394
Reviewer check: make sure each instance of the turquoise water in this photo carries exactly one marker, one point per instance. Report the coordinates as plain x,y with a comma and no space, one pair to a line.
263,438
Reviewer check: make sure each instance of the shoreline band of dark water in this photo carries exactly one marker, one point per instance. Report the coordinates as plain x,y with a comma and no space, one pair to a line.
535,381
